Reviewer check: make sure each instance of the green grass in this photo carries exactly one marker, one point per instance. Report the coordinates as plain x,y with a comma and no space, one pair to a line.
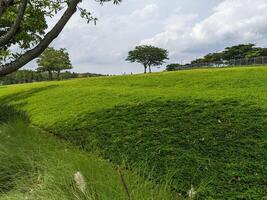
34,165
201,128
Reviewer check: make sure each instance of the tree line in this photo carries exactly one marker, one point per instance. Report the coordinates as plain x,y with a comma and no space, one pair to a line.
30,76
242,51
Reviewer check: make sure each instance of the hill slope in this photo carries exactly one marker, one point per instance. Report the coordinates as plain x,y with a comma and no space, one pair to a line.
35,165
201,128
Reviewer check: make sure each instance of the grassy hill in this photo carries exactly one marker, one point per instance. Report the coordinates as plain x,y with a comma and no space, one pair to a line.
202,129
34,165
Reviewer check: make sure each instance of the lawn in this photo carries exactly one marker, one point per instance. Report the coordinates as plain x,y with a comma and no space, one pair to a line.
203,129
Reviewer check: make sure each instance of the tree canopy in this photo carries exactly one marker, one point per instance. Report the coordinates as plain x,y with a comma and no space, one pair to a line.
173,66
53,60
148,56
23,28
235,52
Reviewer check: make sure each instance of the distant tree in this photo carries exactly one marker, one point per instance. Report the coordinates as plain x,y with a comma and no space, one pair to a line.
46,62
237,52
172,67
148,55
53,60
241,51
29,76
64,62
198,60
211,57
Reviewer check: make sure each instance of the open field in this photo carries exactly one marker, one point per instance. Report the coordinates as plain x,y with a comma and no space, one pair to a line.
205,129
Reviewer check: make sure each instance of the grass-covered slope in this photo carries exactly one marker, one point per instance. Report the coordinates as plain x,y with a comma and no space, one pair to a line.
36,166
202,128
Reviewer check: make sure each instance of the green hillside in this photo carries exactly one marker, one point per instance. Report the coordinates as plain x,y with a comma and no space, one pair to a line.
202,129
34,165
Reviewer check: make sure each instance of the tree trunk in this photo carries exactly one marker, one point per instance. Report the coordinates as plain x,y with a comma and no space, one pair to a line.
50,75
58,74
145,68
149,69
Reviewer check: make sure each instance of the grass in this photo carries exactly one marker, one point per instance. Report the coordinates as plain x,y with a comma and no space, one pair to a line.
34,165
202,128
208,144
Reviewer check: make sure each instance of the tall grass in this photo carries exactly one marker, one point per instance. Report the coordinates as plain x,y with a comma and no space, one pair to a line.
34,165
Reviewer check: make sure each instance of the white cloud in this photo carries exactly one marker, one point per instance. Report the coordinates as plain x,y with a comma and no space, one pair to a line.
232,22
150,11
237,20
96,48
186,28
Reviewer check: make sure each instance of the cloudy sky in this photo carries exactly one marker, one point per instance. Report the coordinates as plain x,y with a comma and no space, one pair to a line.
187,28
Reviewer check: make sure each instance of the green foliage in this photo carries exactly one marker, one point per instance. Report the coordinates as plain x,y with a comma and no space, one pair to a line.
212,57
172,67
241,51
30,76
256,52
53,60
201,127
148,56
33,25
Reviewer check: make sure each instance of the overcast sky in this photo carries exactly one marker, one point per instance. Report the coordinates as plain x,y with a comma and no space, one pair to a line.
187,28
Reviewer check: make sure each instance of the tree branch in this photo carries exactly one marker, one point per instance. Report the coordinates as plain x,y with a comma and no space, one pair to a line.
13,30
44,43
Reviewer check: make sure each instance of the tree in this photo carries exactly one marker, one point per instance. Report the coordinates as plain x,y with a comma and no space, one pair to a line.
64,62
46,62
242,51
211,57
53,60
23,23
172,67
237,52
148,56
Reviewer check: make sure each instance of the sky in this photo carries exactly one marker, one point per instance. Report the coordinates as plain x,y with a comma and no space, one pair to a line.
188,29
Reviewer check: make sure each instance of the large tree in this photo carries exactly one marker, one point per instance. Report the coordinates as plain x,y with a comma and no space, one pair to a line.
52,60
148,56
23,28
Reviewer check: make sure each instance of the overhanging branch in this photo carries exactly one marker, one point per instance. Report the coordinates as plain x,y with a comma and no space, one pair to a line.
13,30
44,43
